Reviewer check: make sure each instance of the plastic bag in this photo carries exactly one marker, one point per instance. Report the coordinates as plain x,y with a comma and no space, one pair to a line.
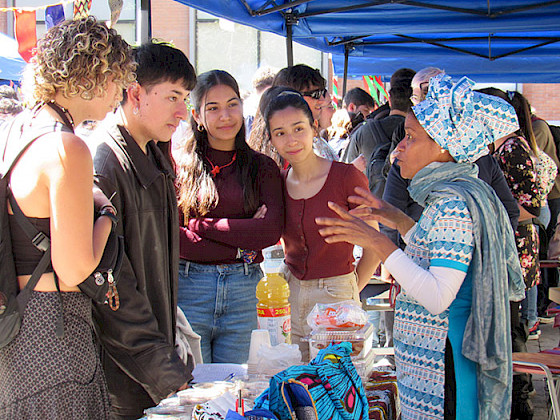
347,315
274,359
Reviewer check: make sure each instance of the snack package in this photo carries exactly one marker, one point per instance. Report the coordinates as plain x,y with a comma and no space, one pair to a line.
345,315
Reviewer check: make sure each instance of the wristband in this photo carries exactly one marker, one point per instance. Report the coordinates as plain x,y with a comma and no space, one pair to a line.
108,212
109,207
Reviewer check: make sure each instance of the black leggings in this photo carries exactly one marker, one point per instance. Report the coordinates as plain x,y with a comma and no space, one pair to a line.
450,389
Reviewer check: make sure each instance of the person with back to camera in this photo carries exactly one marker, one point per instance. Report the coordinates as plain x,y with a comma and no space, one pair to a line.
231,199
77,74
317,272
133,163
460,267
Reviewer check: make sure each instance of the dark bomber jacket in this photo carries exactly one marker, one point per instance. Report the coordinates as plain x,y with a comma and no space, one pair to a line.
138,351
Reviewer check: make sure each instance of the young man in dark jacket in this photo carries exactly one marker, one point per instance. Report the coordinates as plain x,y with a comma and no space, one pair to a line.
133,166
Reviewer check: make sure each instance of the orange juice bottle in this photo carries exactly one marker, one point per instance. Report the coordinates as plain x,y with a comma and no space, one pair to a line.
273,308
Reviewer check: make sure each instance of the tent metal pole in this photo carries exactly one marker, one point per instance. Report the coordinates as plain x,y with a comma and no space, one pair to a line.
345,81
143,21
289,19
263,11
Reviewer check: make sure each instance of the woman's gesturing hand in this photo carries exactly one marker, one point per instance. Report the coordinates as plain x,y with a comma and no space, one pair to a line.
372,208
354,230
347,228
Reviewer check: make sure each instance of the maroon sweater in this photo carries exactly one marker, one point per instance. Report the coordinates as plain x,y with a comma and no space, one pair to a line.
214,239
307,254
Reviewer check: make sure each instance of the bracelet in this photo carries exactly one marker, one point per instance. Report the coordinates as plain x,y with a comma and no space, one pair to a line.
108,207
107,211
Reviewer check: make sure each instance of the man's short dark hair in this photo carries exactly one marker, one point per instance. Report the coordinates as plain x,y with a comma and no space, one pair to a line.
300,77
402,74
161,62
358,97
401,89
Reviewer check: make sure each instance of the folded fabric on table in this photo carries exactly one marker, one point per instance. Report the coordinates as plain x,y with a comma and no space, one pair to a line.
381,393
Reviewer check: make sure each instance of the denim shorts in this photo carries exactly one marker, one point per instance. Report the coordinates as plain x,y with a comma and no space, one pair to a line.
220,303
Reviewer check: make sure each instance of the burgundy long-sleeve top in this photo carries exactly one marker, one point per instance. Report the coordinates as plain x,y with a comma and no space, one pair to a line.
215,238
307,254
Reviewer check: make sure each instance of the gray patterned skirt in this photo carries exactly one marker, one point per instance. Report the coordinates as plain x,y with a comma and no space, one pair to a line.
46,377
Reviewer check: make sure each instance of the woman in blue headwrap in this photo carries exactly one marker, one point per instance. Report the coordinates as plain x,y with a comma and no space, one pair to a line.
460,267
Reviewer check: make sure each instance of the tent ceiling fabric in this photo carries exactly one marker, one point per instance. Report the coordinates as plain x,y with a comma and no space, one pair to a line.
11,63
504,40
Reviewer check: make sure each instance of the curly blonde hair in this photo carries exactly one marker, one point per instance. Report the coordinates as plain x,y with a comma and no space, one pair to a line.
78,58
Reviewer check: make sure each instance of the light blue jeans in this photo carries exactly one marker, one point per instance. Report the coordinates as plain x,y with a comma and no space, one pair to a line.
220,303
528,310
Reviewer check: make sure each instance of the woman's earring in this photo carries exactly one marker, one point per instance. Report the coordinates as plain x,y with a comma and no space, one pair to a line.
200,128
442,151
135,111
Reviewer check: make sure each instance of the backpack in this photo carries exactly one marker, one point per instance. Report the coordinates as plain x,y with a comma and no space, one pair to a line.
328,388
374,168
13,302
555,130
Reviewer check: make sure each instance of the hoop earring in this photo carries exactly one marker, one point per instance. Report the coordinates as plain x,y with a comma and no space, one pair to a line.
135,111
200,128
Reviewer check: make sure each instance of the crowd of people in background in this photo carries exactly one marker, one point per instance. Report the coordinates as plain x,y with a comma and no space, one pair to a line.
443,188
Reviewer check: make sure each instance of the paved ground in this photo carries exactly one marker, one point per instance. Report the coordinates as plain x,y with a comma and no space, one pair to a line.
549,339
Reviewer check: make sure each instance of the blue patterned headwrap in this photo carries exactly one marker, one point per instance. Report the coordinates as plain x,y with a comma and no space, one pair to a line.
462,121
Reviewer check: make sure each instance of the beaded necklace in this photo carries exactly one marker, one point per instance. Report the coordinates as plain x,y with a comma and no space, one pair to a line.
216,168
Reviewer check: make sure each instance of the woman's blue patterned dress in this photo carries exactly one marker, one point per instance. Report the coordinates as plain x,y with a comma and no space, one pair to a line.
442,237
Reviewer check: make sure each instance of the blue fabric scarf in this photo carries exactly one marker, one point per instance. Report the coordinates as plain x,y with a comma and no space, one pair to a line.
496,275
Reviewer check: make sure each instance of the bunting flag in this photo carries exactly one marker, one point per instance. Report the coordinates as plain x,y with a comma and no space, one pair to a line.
335,91
369,87
379,84
54,15
14,9
81,9
26,34
374,85
115,6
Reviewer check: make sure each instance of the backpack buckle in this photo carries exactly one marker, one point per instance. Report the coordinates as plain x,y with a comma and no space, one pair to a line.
41,242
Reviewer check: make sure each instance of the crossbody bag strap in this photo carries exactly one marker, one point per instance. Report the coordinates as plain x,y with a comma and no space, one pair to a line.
25,294
40,241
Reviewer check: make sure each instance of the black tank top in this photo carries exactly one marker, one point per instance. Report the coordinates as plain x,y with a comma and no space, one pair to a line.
26,256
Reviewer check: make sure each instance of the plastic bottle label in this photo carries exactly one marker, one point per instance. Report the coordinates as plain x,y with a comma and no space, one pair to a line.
278,323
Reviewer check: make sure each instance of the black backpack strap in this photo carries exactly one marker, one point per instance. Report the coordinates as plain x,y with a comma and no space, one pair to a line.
41,241
24,295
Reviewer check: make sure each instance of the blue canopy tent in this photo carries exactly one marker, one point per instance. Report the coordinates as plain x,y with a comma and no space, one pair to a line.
507,57
497,40
11,63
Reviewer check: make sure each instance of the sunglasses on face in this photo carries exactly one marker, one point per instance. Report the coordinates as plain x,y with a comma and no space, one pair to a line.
316,94
415,99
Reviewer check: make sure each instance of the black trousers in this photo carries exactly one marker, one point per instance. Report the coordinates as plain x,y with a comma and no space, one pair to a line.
522,381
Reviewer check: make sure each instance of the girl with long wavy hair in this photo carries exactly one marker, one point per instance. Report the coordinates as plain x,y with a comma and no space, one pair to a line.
231,201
